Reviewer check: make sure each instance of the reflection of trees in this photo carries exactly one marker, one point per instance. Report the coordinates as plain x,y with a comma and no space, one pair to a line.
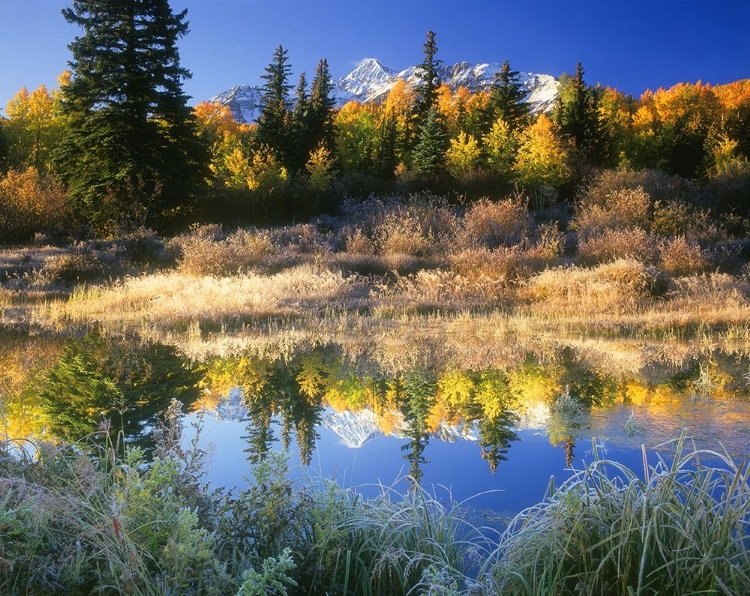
24,362
417,398
294,389
495,437
128,382
291,390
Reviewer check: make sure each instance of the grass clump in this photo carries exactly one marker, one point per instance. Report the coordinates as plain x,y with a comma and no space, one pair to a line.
679,528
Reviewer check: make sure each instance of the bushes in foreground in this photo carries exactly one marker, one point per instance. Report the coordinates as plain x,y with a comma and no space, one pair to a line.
75,522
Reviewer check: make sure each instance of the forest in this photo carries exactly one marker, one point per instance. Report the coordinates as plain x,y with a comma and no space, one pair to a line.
86,158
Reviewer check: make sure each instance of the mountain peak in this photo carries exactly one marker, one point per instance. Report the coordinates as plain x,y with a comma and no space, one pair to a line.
368,74
371,81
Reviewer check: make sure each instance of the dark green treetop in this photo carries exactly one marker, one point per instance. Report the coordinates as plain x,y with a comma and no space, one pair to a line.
131,155
428,75
507,98
274,122
321,107
429,155
578,116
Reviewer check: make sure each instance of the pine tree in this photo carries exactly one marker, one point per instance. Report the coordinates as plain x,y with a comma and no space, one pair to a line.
428,75
429,154
273,132
299,131
321,108
386,158
507,98
578,117
131,154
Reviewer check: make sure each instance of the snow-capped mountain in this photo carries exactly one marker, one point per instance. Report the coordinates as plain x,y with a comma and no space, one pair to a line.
372,81
245,102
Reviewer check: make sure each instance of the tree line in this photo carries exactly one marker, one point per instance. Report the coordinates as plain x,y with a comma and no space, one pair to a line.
120,142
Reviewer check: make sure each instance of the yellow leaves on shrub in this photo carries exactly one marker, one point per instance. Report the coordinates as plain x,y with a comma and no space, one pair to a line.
31,202
320,169
265,173
463,154
543,156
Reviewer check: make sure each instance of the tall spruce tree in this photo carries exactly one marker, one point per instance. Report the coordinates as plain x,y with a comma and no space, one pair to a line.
299,130
321,107
273,132
507,98
429,155
131,155
578,116
429,78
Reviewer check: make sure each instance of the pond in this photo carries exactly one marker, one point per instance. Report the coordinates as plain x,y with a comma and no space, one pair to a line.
487,420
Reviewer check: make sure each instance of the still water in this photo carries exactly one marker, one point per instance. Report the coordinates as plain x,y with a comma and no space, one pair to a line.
488,423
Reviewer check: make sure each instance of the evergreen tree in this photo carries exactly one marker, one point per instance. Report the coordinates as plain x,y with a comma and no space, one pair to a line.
428,75
578,117
385,154
131,154
507,98
300,126
321,108
429,155
273,123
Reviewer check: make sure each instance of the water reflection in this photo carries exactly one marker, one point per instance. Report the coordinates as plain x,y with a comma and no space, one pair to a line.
569,390
96,385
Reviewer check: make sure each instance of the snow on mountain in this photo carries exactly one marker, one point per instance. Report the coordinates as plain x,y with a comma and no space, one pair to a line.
245,101
370,73
355,429
372,81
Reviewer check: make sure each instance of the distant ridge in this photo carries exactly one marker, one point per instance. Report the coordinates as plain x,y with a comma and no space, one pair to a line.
371,81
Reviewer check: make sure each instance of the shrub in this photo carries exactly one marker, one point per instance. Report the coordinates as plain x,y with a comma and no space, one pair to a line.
423,226
502,264
31,202
549,244
614,244
682,256
656,184
618,210
206,251
504,223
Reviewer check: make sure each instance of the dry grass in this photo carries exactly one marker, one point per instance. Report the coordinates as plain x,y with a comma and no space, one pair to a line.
611,244
168,300
391,259
620,287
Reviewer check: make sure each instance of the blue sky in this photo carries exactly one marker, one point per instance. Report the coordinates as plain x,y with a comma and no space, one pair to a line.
632,45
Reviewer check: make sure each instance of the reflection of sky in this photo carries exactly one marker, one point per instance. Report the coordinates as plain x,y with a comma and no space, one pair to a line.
452,467
458,469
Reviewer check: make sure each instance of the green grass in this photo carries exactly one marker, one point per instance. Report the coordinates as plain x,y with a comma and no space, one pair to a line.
679,528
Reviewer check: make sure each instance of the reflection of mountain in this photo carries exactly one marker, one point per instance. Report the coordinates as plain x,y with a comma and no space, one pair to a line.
354,428
357,428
